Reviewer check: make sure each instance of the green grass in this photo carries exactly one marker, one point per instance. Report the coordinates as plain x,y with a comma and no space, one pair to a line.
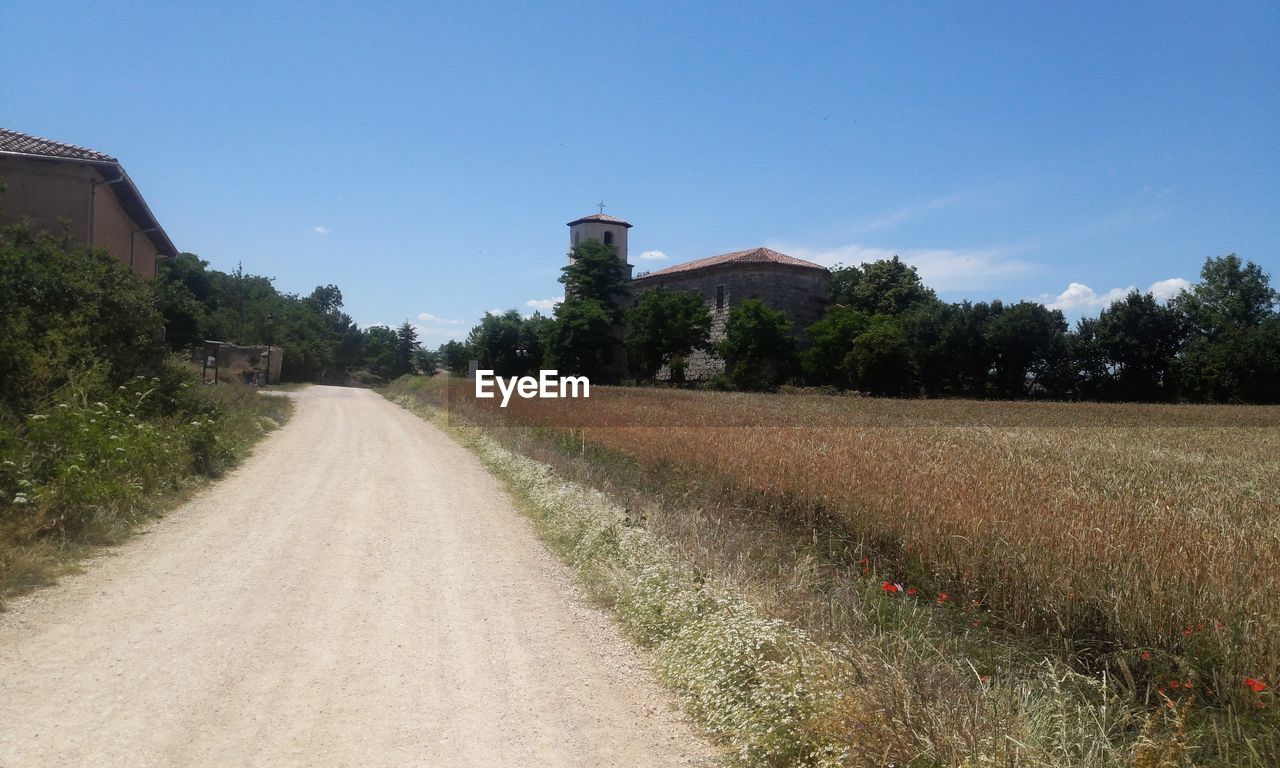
87,468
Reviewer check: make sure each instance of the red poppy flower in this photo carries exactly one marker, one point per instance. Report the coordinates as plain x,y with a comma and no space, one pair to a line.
1146,656
911,591
1174,683
1187,632
1188,684
943,597
1257,685
890,587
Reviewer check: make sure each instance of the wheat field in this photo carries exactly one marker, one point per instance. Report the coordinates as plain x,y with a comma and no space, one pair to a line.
1142,540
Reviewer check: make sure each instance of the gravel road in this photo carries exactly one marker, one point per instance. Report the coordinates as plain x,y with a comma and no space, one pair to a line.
359,593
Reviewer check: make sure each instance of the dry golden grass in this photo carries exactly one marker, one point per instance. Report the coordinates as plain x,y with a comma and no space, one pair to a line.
1141,540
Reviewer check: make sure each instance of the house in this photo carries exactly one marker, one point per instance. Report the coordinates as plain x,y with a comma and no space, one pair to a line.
796,287
88,192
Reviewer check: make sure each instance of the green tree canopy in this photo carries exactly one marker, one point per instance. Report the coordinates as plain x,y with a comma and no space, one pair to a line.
885,287
582,341
1028,344
1139,338
832,338
595,272
758,348
68,309
585,338
505,344
880,360
1233,353
663,327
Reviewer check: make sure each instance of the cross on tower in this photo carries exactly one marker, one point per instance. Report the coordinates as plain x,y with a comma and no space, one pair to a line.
600,205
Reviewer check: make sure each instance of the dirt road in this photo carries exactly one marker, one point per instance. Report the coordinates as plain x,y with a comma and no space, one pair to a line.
360,593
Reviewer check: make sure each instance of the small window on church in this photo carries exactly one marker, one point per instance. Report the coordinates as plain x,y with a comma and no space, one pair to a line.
719,297
608,238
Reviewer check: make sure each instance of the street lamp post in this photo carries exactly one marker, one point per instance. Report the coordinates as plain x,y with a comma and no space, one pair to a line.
271,321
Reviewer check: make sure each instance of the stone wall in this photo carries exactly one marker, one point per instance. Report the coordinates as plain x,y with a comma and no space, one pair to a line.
797,291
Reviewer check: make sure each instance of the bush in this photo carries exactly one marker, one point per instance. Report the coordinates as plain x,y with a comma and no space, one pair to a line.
85,467
69,308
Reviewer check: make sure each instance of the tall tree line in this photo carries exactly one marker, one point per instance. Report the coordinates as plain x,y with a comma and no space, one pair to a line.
320,340
886,333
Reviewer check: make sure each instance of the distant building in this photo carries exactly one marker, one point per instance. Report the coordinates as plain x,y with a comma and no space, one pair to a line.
58,184
796,287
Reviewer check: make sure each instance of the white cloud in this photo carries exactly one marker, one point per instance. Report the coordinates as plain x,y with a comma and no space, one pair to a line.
496,311
1079,296
1164,290
320,230
943,269
654,256
427,317
544,305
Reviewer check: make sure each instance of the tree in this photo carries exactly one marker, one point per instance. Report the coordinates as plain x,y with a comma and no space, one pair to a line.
1231,355
381,345
406,348
663,327
596,273
586,337
456,357
582,341
880,360
842,284
758,348
426,361
182,289
1140,339
1090,370
831,340
886,287
1028,346
68,309
1231,295
503,344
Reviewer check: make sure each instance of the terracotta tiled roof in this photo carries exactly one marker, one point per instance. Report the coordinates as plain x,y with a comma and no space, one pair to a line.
21,143
603,218
15,142
751,256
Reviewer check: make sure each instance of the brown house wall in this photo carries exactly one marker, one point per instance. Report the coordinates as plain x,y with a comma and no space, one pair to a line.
60,195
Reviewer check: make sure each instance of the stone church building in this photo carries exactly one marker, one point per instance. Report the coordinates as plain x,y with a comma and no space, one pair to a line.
794,286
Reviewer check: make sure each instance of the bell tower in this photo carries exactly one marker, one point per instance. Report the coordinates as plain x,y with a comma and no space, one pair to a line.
603,228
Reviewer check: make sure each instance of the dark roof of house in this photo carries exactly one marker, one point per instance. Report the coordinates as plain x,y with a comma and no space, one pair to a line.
603,218
23,144
17,143
750,256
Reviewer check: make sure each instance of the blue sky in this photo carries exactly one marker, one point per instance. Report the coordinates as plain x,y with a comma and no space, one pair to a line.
425,157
